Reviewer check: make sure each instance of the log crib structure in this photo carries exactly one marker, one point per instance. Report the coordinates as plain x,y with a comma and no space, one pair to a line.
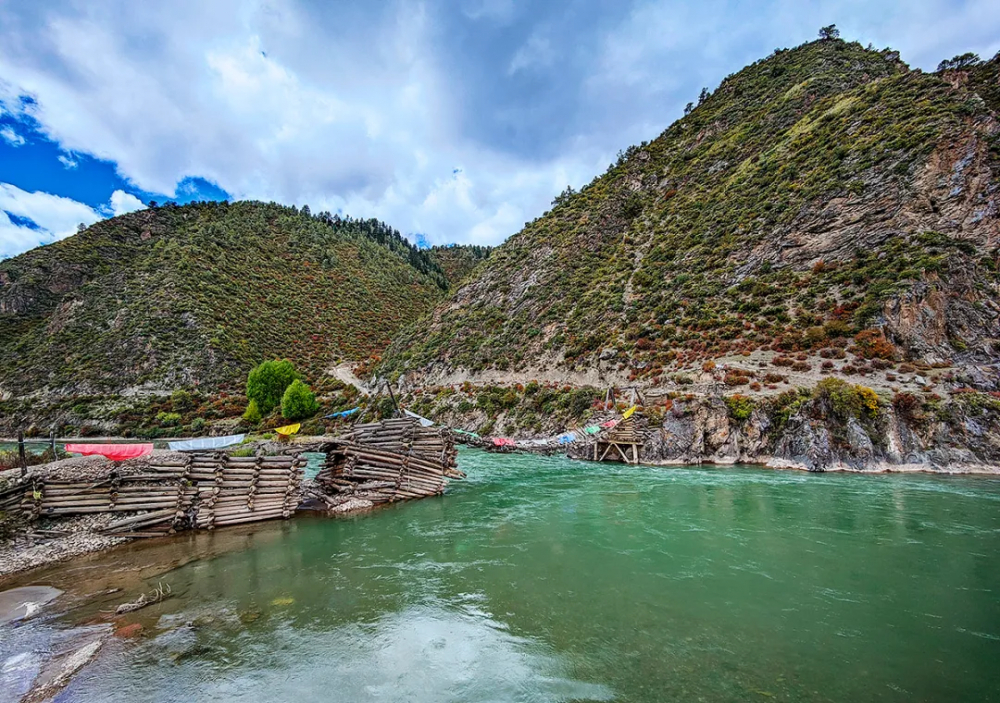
386,462
169,492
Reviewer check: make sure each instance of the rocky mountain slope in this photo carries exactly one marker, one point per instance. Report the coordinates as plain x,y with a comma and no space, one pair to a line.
184,297
458,261
827,206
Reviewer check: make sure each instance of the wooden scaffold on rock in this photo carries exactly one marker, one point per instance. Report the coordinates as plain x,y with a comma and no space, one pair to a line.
620,443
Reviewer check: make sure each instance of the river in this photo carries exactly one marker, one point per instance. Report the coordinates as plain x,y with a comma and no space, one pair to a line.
545,579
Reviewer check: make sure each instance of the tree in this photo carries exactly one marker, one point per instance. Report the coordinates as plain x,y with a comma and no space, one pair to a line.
564,196
298,401
688,108
962,61
829,32
80,227
267,383
703,95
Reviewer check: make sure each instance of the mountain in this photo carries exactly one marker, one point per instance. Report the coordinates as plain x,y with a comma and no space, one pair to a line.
458,261
827,206
192,296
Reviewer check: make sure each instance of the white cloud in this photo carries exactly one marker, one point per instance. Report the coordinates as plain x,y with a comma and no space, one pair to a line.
307,123
54,217
499,11
68,161
122,203
362,109
8,134
537,52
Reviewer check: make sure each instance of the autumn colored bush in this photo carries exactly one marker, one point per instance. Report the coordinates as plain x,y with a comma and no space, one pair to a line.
872,344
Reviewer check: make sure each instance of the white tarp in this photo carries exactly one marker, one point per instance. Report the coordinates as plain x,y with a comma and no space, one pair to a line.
423,420
188,445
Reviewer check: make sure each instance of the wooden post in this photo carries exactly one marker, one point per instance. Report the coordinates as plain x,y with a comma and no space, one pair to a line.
391,395
20,452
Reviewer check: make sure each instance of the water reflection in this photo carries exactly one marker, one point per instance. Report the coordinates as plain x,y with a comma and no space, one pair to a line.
425,653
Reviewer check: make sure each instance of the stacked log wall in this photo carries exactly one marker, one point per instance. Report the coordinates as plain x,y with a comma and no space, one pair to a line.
386,462
199,490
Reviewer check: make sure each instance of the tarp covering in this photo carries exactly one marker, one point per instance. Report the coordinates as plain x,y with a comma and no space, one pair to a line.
115,452
289,429
206,443
423,420
504,442
342,413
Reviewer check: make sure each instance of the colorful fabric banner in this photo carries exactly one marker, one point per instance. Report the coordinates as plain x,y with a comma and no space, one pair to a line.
503,442
289,429
423,420
188,445
609,424
465,432
592,429
115,452
628,413
342,413
566,438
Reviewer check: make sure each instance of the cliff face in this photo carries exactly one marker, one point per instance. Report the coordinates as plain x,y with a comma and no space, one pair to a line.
824,192
960,436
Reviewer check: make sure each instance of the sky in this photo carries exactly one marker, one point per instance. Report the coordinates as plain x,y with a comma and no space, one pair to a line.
453,121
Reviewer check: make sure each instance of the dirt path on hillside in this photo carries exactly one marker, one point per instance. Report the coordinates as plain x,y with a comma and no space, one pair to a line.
345,373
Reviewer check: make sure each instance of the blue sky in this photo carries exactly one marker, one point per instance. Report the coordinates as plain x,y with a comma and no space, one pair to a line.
453,121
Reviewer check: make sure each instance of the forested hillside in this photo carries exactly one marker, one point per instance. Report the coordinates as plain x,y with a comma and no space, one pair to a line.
192,296
456,261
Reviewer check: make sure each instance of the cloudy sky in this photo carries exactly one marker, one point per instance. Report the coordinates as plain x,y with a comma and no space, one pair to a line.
453,121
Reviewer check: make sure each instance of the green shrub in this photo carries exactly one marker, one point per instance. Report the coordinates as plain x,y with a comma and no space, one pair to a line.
198,424
298,402
846,400
168,419
740,407
252,413
267,383
181,400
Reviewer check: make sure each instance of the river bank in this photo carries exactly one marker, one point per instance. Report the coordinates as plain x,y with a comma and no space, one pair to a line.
82,504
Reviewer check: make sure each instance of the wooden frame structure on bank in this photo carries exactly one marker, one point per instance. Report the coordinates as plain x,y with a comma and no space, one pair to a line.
624,439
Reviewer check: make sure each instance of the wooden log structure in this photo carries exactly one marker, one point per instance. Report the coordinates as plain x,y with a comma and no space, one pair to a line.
375,463
388,461
200,490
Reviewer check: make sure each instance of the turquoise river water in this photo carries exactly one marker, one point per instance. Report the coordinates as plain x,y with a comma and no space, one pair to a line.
545,579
